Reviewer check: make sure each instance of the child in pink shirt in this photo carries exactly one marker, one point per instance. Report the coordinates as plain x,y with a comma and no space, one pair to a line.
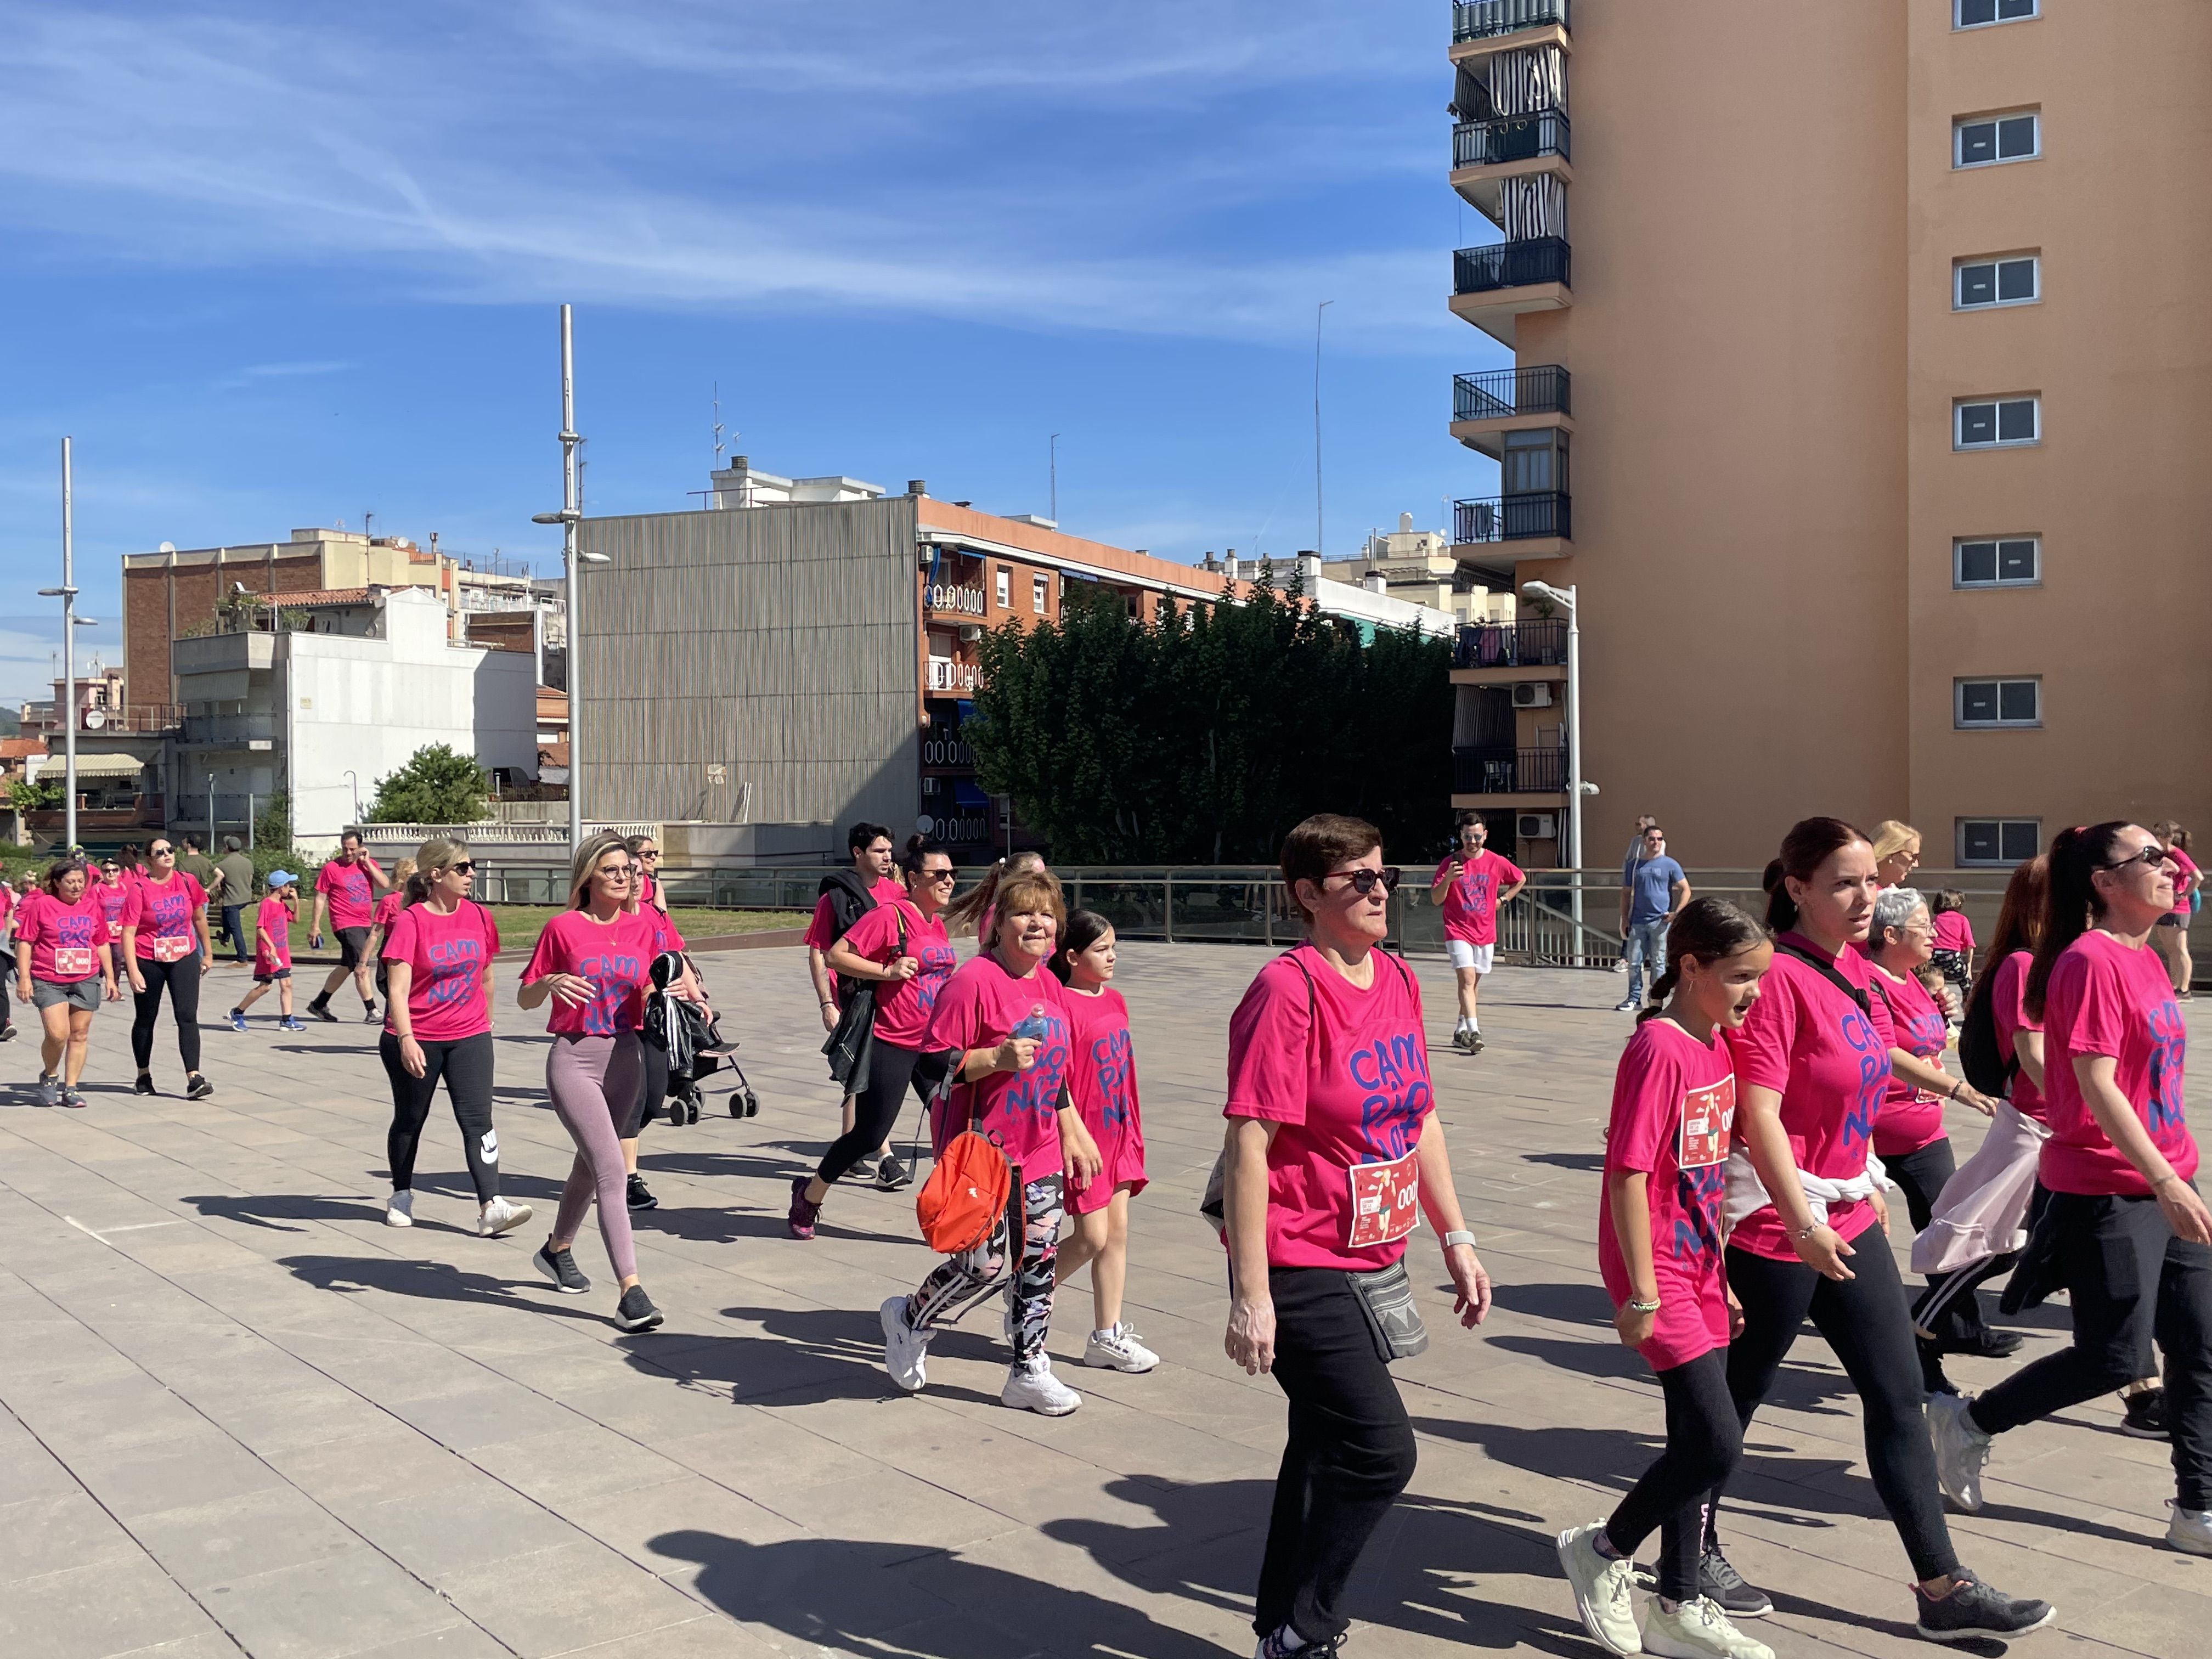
272,951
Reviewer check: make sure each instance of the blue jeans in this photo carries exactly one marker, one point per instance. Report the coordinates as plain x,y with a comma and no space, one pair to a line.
1647,944
234,929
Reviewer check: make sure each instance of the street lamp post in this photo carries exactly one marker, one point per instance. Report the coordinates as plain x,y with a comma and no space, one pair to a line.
67,594
1565,598
572,557
353,782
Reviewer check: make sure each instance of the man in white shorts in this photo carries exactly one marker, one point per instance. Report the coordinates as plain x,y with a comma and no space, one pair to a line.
1471,884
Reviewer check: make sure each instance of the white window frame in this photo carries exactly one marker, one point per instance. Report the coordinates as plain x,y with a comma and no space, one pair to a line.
1003,588
1958,18
1958,545
1040,590
1997,401
1961,123
1958,301
2001,824
1959,720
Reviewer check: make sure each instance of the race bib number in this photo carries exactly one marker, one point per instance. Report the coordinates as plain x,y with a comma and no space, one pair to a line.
1385,1200
72,962
166,949
1708,1119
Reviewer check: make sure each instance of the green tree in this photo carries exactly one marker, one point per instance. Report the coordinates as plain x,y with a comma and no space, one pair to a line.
436,785
27,797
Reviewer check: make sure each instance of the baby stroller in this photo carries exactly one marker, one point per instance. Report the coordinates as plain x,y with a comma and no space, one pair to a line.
694,1044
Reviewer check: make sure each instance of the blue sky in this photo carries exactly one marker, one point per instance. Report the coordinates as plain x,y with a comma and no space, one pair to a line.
278,266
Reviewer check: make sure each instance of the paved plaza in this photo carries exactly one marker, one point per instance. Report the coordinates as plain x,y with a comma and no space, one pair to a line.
243,1416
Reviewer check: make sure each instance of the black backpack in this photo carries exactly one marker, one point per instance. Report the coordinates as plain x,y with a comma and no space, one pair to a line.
1987,1067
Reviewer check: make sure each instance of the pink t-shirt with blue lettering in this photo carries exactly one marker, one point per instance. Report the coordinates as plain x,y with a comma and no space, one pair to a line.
903,1008
1911,1117
2008,1014
1674,1116
274,920
617,956
1471,902
1103,1081
162,913
979,1008
112,898
2106,999
64,939
446,958
346,888
1830,1063
1345,1072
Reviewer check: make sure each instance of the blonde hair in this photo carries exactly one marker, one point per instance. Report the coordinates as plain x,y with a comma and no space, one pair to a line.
965,915
1892,836
1030,890
433,858
587,863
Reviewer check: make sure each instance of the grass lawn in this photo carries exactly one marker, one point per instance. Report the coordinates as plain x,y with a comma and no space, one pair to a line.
519,924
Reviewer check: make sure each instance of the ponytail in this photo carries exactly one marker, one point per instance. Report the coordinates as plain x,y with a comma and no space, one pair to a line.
1084,929
2071,900
1709,930
1809,844
965,915
919,847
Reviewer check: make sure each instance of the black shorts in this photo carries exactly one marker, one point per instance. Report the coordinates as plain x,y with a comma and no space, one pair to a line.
2172,920
352,941
271,976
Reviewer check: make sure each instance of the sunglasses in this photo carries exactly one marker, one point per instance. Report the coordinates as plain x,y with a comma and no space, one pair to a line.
650,853
933,877
162,852
2152,856
462,867
1363,881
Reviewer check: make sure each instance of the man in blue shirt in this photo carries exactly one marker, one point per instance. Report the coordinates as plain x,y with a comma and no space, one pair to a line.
1653,891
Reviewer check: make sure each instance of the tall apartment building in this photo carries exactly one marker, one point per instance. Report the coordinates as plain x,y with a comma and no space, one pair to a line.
1875,333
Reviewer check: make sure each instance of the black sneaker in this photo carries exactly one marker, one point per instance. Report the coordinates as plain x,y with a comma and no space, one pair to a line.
2146,1418
1722,1583
641,1195
891,1175
1981,1343
635,1311
198,1088
560,1266
1972,1612
144,1085
320,1008
864,1169
7,1034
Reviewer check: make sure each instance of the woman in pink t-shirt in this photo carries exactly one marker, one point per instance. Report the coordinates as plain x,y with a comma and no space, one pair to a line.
436,954
2124,1230
1332,1145
900,948
113,891
2170,938
63,965
1104,1082
1814,1065
1005,1018
166,948
594,961
1659,1253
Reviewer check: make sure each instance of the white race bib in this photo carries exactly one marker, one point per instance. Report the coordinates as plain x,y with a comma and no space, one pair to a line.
72,962
166,949
1708,1122
1385,1202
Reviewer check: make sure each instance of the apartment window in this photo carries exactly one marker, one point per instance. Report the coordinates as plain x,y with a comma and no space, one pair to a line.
1999,841
1994,422
2006,562
2017,281
1005,589
1981,141
1998,703
1977,14
1036,594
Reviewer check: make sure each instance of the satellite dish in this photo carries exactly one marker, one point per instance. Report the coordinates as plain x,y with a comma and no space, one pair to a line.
924,824
166,547
94,718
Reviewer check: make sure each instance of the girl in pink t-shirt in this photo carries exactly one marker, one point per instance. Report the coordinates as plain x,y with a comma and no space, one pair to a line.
1659,1253
1102,1078
1332,1148
1004,1020
63,965
166,948
2170,938
2126,1228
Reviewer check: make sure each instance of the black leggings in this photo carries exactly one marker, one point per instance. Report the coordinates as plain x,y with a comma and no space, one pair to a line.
891,1071
465,1064
1705,1443
183,979
1864,1320
1349,1453
652,1089
1920,1175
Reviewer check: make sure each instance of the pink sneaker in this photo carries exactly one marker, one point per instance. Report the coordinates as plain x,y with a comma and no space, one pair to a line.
801,1218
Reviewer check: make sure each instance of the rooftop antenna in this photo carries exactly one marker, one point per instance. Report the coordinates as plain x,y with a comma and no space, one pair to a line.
718,426
368,524
1053,453
1320,545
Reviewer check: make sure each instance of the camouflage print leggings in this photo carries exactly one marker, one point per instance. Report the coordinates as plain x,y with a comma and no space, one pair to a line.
1028,1294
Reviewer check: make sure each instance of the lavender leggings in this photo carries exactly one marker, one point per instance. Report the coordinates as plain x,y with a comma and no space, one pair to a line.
593,1080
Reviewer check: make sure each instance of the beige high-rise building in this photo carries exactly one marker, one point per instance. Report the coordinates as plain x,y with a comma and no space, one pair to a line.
1878,335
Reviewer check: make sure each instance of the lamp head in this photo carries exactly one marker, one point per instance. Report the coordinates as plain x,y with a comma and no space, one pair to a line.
1536,590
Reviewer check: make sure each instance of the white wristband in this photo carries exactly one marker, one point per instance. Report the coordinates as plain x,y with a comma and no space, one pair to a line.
1459,1235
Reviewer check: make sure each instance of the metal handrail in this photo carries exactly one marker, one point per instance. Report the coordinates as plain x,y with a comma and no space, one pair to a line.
1512,264
1542,643
1478,20
1497,394
1497,138
1513,518
1503,769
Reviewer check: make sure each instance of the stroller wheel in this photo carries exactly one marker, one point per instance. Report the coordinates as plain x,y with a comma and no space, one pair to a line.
691,1107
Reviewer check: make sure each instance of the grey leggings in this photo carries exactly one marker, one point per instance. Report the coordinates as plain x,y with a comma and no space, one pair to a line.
593,1080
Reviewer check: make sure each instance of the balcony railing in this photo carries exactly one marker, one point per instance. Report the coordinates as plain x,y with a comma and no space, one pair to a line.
1505,771
1511,645
1511,264
1510,139
1497,393
138,717
1514,518
233,728
1478,20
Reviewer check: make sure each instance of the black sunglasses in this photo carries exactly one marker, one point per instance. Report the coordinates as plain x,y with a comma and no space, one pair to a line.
1362,881
160,852
2154,856
461,867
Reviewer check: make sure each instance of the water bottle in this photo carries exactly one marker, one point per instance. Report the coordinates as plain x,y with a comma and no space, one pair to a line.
1033,1026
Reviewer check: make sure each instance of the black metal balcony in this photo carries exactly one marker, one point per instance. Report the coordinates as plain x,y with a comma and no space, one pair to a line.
1497,393
1478,20
1508,771
1514,518
1540,644
1511,264
1511,138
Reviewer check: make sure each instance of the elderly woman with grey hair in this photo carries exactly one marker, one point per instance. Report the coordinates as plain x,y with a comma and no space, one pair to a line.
1908,1136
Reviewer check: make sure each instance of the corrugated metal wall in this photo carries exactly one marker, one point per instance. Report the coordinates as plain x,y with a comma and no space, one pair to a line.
779,642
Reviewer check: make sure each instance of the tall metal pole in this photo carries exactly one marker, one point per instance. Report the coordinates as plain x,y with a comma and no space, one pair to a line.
68,656
1054,453
570,512
1575,761
1320,546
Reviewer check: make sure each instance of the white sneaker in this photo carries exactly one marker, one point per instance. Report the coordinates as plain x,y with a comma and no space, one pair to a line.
1118,1350
1601,1589
1031,1387
502,1215
905,1350
1627,1005
1699,1630
1961,1450
2191,1531
399,1210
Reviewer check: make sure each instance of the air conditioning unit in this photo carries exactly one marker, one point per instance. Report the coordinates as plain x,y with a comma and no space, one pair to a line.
1533,694
1536,826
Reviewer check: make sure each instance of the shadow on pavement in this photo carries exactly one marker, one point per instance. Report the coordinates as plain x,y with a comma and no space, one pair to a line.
437,1281
806,1356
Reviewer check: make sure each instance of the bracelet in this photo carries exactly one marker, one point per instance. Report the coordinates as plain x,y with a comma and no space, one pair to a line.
1806,1232
1955,1087
1459,1235
1652,1306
